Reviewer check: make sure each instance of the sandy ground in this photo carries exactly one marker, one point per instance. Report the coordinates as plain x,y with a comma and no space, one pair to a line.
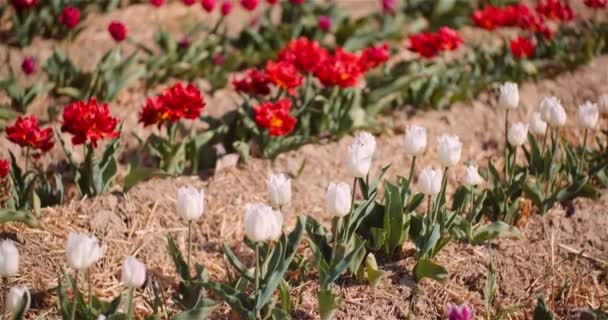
137,222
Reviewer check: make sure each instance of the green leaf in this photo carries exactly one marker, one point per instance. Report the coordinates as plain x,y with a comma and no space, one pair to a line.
23,216
178,260
426,268
136,175
236,263
341,266
22,307
493,230
328,304
204,309
393,218
374,274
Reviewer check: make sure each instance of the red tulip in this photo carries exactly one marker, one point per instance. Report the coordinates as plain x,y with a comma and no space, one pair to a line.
226,7
555,10
117,30
373,57
275,117
596,4
89,121
208,5
253,83
304,54
4,168
284,75
157,3
188,2
70,17
250,4
24,4
342,69
28,66
173,104
522,47
27,133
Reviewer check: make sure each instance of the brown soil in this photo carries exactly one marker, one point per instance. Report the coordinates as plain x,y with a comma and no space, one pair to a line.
562,259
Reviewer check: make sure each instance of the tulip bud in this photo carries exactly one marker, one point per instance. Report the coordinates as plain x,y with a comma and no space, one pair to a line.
471,176
133,273
9,259
389,6
517,135
226,7
552,112
509,96
604,103
587,115
537,125
338,199
190,203
262,223
415,140
15,297
28,66
279,188
360,154
101,317
208,5
448,150
324,23
429,181
82,251
463,312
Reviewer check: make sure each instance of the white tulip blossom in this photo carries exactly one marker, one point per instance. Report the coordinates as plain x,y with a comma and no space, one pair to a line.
552,112
415,140
518,133
133,273
472,177
448,150
603,103
9,259
587,115
262,223
279,188
429,181
101,317
509,96
338,199
14,299
190,203
82,251
537,125
360,154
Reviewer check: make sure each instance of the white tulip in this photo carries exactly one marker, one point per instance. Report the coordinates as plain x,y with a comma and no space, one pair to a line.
429,181
101,317
9,259
509,96
518,133
82,251
262,223
552,112
537,125
339,199
587,115
604,103
448,150
133,273
279,188
14,298
360,154
471,176
190,203
415,140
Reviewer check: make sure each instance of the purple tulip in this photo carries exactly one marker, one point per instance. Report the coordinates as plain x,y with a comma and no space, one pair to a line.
389,6
462,312
325,23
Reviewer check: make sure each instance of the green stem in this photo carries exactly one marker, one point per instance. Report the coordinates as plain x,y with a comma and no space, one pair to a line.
582,162
5,282
545,141
90,302
76,293
441,195
412,166
189,243
512,167
27,158
506,130
257,277
337,223
472,200
130,304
